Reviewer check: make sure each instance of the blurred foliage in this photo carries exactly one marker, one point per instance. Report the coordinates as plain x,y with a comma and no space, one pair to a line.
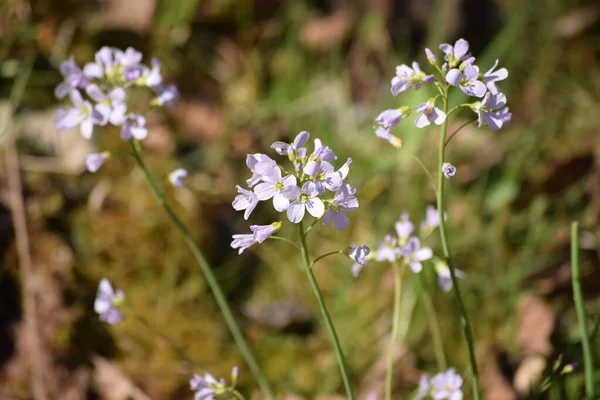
255,71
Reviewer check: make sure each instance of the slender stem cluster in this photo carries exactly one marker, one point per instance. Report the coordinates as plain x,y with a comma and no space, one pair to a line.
465,323
330,327
209,275
590,389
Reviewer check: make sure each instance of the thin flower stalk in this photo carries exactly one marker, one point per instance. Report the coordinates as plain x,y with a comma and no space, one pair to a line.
398,273
211,280
466,324
588,361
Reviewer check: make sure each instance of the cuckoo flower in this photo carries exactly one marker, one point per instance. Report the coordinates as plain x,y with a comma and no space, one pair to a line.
324,175
488,110
322,152
295,149
444,277
258,163
491,77
388,249
82,114
429,113
177,177
205,387
74,78
358,253
166,95
447,385
343,201
404,228
107,302
307,200
94,161
407,77
424,388
432,221
457,53
467,80
245,200
110,107
448,170
259,234
276,187
134,127
414,254
430,56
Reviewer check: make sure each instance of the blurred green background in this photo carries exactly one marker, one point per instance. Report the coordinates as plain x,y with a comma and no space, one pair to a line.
255,71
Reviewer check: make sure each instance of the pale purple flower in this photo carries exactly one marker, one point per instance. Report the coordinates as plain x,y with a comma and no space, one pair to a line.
447,385
444,277
74,78
358,253
448,170
245,200
325,176
388,249
488,111
424,388
258,163
103,62
205,387
356,268
282,190
307,200
429,113
491,77
322,152
505,116
166,95
94,161
107,302
407,77
404,228
150,76
235,373
107,58
259,234
110,107
414,254
134,127
387,120
344,200
432,220
242,241
430,56
177,177
457,53
295,149
467,80
82,114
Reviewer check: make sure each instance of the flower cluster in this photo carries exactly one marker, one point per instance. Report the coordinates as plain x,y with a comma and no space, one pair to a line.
444,385
108,301
405,246
458,70
207,387
310,185
106,83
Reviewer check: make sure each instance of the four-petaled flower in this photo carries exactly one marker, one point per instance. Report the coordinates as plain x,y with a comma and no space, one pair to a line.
386,121
429,113
388,249
74,78
110,107
245,200
343,201
491,77
457,53
282,190
94,161
259,234
134,127
414,254
404,228
447,385
467,80
490,111
107,302
306,199
358,253
82,114
444,275
407,77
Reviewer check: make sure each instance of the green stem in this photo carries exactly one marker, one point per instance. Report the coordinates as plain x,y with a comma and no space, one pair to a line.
285,240
434,327
208,274
237,395
315,287
398,272
458,130
581,314
466,325
325,255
